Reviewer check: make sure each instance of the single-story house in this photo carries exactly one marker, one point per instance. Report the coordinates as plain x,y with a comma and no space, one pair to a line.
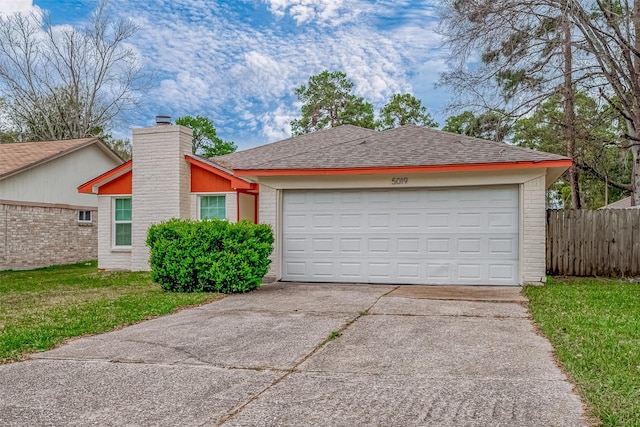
409,205
43,219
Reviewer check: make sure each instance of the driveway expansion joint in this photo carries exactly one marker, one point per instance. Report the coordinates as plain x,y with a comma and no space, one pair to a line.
294,369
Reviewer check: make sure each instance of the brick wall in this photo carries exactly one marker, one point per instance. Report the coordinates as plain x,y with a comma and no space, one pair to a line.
33,236
161,183
532,257
268,215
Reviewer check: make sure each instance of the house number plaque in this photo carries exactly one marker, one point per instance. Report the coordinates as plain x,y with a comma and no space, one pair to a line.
399,180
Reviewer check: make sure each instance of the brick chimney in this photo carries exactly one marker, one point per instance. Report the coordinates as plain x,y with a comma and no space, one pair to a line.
161,182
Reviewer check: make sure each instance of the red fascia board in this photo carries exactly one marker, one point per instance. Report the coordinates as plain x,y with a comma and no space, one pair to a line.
406,169
87,187
236,182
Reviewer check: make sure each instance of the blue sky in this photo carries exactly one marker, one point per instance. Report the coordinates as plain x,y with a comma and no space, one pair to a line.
239,62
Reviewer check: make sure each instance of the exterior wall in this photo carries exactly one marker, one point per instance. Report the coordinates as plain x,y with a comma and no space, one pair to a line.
56,181
108,257
247,205
231,207
532,206
269,214
532,243
33,236
161,183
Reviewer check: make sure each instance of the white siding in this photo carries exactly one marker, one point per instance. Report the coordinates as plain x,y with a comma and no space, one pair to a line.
57,181
269,207
109,258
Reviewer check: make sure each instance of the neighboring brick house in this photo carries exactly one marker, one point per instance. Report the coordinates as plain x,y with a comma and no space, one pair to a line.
350,205
43,219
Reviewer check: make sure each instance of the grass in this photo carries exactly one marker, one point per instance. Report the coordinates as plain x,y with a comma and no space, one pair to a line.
40,309
594,326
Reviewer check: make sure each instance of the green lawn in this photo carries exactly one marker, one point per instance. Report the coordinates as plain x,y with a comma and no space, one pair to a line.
41,308
594,325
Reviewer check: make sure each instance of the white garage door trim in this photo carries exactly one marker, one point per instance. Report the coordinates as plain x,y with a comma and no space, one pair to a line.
461,235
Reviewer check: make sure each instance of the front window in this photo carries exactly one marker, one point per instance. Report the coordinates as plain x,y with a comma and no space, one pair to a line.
213,207
122,221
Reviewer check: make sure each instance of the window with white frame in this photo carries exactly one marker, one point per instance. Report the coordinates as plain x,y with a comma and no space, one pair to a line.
122,221
213,207
84,217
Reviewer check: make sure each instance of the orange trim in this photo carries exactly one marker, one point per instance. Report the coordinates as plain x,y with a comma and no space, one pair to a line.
256,210
236,183
405,169
88,187
120,185
204,181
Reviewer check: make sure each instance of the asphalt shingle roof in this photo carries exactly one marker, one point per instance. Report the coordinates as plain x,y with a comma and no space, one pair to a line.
292,147
353,147
18,156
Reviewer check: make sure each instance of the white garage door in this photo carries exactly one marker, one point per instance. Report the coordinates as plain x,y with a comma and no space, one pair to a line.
413,236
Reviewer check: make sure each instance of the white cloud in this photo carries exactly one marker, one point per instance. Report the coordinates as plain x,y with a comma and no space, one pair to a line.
277,123
243,75
331,12
12,6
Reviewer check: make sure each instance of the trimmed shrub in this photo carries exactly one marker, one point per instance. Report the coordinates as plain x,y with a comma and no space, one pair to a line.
209,255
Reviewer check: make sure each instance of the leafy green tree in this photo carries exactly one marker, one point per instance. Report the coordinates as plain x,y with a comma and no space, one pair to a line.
403,109
605,168
491,125
548,46
205,140
328,101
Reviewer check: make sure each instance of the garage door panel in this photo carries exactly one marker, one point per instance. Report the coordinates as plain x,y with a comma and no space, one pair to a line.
504,247
350,245
379,221
296,221
350,222
322,245
439,246
443,236
408,221
322,222
407,246
503,220
409,270
505,271
438,221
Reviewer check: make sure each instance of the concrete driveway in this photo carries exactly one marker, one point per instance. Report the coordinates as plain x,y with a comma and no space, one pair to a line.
404,357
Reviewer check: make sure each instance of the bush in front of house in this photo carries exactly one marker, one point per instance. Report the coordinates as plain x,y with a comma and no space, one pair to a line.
209,255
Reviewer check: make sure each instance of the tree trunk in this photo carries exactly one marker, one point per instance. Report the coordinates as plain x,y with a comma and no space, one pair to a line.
570,115
635,144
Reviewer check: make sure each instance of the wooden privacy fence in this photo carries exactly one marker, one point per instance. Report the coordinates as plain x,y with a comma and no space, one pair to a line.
593,242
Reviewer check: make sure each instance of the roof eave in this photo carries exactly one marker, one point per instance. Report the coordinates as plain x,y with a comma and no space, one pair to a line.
91,187
555,168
